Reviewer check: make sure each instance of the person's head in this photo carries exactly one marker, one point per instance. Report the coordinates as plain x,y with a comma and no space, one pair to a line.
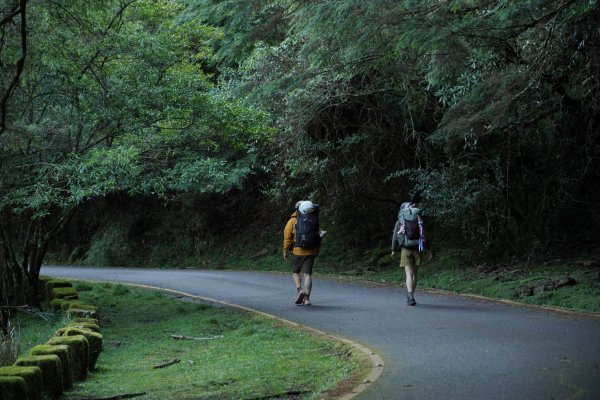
306,207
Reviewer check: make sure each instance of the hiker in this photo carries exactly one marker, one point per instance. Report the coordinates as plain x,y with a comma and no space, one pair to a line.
302,236
409,234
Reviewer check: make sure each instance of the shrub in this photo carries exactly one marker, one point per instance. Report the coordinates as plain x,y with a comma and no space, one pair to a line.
51,371
31,375
66,359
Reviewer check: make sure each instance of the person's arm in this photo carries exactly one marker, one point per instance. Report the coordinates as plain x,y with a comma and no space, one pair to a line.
288,237
394,238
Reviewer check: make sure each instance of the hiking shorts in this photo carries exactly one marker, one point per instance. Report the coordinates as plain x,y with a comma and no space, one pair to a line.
410,258
302,263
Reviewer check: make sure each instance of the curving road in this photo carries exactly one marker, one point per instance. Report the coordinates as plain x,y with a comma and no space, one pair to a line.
447,347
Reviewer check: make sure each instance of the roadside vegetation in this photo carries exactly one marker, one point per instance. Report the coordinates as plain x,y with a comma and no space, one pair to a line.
571,282
222,353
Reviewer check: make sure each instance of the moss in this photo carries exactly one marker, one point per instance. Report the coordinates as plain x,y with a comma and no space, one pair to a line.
85,325
81,305
64,293
93,338
51,371
66,359
80,350
13,388
57,304
31,375
90,320
67,304
54,283
81,313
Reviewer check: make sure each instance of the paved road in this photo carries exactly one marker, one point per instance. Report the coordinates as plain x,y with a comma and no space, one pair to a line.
447,347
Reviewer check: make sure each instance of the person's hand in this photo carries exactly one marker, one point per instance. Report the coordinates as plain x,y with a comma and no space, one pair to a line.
392,255
285,255
322,232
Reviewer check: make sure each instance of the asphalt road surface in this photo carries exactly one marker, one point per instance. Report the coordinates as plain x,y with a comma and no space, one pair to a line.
446,347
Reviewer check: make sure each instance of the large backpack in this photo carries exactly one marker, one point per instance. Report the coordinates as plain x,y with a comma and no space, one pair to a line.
410,234
307,230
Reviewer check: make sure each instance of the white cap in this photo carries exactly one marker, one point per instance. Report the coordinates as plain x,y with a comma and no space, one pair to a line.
306,207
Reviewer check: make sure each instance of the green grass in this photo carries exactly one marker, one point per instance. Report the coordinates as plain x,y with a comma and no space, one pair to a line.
256,357
448,272
34,327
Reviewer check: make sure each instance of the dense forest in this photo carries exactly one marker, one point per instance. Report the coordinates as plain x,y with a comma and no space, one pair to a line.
149,128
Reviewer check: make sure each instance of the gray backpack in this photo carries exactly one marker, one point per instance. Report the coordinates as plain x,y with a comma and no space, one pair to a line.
409,234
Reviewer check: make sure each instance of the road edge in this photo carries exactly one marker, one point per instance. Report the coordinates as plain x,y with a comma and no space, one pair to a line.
377,363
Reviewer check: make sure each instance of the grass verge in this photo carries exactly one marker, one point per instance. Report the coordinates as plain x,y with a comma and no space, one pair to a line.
236,356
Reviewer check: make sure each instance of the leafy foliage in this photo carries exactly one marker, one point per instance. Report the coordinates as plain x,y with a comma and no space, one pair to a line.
113,98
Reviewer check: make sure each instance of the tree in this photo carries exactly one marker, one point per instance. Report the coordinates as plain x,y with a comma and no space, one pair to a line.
113,98
466,106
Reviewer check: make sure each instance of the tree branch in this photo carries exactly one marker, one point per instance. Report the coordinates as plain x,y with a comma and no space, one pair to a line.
20,65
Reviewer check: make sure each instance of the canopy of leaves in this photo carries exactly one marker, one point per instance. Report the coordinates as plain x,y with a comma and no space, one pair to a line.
485,111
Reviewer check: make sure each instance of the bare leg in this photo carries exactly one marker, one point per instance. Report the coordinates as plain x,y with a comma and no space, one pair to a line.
296,278
307,284
411,278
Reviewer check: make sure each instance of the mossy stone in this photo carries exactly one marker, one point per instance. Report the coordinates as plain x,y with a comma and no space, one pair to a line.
81,305
13,388
81,348
51,371
64,293
90,320
93,338
57,304
66,359
55,283
31,375
85,325
81,313
73,303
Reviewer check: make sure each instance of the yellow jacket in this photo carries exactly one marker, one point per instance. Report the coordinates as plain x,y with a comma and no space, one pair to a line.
289,237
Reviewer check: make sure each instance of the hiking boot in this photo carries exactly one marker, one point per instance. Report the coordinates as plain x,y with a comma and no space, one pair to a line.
410,300
300,298
306,301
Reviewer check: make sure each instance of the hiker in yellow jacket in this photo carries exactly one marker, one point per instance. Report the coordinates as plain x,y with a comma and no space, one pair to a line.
304,248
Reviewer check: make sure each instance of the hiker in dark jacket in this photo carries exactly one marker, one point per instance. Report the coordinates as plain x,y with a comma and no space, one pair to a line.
409,235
